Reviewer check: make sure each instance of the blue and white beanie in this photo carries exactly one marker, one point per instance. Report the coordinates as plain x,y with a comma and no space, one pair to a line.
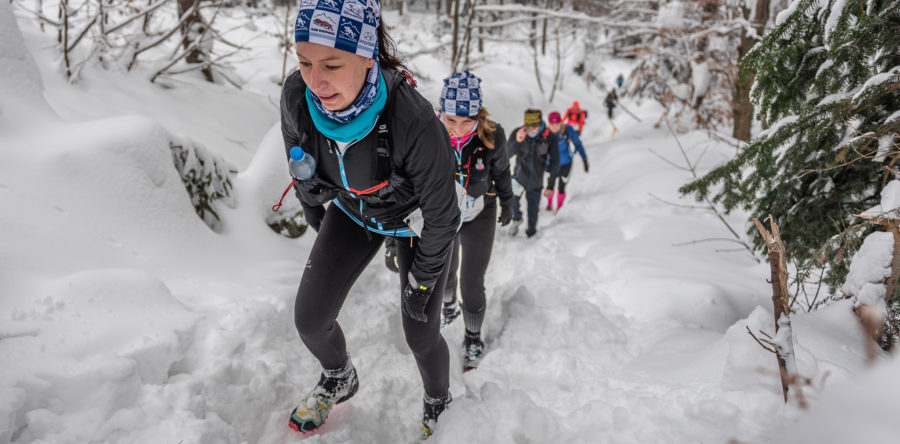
348,25
461,95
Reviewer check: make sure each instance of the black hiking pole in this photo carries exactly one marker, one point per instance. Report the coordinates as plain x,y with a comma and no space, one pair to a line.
629,112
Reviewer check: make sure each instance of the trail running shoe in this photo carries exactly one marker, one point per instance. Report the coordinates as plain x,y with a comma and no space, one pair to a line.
433,408
450,312
474,352
334,387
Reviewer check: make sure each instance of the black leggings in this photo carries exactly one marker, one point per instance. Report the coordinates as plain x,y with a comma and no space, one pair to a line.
533,206
339,254
563,178
477,240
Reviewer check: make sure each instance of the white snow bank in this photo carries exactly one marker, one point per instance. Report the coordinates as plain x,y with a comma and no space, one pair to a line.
84,349
861,409
21,90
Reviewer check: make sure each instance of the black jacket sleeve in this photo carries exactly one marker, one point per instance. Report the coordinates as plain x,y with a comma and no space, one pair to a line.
313,210
430,166
554,159
500,173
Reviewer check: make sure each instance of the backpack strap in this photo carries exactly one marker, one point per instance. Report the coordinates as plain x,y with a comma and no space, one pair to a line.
383,165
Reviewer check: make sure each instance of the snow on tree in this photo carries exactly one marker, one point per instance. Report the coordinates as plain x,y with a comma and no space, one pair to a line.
828,87
687,54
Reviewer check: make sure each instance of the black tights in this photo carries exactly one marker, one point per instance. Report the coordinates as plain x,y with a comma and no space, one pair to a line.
339,254
477,240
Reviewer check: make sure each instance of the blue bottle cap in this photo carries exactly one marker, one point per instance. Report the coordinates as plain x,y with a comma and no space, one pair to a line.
297,153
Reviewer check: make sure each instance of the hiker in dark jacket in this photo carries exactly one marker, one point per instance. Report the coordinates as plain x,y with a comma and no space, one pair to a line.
482,168
535,148
384,162
611,100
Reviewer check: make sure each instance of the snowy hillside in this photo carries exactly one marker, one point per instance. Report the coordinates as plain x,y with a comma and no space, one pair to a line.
125,319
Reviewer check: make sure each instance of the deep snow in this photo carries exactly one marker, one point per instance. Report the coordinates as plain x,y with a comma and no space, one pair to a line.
124,318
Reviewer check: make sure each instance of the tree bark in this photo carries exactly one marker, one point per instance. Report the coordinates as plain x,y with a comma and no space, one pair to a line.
455,58
784,349
742,108
544,33
190,24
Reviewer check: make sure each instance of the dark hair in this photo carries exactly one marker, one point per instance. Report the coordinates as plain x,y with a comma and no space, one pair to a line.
387,50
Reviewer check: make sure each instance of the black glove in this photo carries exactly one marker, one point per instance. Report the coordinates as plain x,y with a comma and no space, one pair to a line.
586,166
506,214
415,298
390,255
313,192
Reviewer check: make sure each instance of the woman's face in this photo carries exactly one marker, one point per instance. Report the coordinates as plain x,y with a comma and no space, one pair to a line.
336,77
458,126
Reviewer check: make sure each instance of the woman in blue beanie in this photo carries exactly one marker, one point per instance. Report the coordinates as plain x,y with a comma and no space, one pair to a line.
382,160
482,168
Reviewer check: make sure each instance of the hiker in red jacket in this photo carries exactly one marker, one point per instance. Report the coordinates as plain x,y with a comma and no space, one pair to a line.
575,117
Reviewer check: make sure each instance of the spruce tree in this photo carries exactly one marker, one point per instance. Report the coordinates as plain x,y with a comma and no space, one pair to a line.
828,88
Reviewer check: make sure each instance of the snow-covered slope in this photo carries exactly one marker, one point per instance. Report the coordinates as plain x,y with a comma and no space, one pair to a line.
123,318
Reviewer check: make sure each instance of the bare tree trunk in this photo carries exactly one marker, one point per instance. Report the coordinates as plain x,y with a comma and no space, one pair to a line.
784,349
40,9
455,47
533,35
471,9
557,72
537,70
544,33
190,28
742,108
480,40
59,32
64,38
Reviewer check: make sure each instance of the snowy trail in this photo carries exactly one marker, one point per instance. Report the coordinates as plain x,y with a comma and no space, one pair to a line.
126,319
570,355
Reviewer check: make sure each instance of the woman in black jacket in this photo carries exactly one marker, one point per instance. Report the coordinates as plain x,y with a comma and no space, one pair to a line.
384,163
482,168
